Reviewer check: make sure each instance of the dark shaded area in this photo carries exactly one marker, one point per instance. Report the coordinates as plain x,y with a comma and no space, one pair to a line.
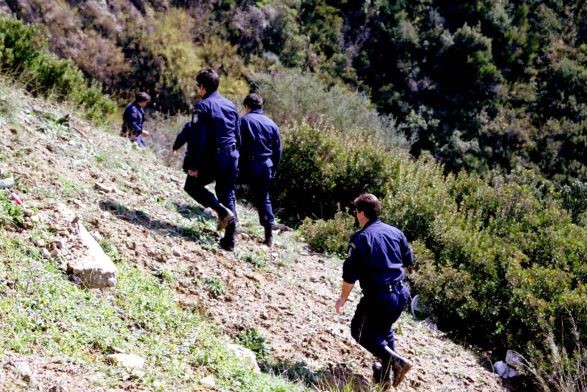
140,218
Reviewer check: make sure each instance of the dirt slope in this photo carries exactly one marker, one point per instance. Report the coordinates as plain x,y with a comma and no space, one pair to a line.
286,293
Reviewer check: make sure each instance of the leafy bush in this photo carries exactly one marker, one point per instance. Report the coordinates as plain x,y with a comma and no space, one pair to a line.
322,169
254,341
10,213
23,54
329,236
292,97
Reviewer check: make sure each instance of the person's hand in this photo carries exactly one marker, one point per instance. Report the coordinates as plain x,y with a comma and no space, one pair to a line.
193,173
174,152
339,304
145,133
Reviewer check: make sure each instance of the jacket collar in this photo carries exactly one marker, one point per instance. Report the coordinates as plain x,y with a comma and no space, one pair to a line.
369,223
257,111
212,94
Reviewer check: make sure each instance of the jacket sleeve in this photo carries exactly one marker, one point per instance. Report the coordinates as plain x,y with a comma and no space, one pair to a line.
352,264
245,139
407,254
134,120
199,137
237,132
182,137
276,154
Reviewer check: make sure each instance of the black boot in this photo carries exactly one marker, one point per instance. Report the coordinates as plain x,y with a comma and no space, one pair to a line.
268,235
227,242
381,375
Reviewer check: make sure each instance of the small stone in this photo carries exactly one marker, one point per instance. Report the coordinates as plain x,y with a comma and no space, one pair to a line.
39,242
45,253
28,213
102,188
35,219
58,244
208,381
24,370
131,245
77,203
176,252
129,361
6,183
55,253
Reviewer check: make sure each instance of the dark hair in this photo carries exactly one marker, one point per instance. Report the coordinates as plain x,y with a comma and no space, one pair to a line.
142,97
209,79
253,101
369,205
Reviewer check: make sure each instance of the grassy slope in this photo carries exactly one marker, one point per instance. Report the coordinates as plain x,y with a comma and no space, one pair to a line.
43,315
170,272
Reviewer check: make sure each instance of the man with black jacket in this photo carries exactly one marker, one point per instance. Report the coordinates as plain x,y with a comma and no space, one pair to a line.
260,156
213,138
378,255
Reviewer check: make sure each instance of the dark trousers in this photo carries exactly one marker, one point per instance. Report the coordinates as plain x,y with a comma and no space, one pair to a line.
224,172
260,181
372,323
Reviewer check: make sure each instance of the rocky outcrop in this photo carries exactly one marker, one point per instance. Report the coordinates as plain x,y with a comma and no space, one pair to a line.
94,268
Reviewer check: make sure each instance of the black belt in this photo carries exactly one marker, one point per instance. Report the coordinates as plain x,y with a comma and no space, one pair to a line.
393,287
230,147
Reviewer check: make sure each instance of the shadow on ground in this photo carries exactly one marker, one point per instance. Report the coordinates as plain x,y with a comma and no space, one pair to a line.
196,231
336,377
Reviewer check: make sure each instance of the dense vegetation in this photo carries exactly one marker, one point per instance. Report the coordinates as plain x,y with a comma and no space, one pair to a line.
499,261
23,55
479,85
498,89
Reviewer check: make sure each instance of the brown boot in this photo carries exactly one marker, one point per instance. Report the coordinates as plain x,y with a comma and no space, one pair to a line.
400,367
225,216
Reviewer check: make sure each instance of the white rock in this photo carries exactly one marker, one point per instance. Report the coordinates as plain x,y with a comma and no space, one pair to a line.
24,370
6,183
514,359
40,242
503,370
95,269
129,361
208,381
246,356
103,188
45,253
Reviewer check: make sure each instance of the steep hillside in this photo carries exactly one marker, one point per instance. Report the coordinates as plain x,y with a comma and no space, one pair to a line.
280,299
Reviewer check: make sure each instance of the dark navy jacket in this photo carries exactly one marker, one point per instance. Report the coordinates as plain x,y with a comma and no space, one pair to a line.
377,256
133,119
191,134
219,126
260,139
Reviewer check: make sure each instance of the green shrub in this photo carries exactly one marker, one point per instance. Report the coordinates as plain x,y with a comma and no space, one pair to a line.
323,169
10,213
23,54
254,341
329,236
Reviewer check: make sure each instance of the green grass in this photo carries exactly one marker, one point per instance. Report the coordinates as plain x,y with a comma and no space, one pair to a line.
43,313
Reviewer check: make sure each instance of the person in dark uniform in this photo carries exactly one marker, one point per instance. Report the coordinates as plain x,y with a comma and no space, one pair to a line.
133,119
260,155
213,153
377,257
